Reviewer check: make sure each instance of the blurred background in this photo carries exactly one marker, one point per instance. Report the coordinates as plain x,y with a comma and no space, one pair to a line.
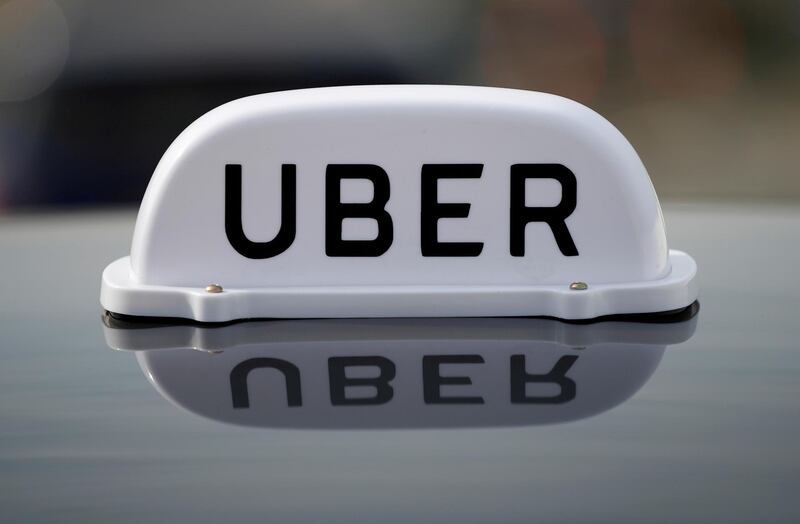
92,92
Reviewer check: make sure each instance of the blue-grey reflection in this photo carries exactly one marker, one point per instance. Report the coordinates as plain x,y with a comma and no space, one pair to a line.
399,373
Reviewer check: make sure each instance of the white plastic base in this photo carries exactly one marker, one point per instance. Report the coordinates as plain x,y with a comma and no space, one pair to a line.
121,294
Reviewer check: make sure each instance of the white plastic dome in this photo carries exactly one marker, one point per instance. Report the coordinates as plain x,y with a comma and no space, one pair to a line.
399,201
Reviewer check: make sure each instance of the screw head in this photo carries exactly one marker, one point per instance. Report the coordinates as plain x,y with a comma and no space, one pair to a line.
579,286
213,288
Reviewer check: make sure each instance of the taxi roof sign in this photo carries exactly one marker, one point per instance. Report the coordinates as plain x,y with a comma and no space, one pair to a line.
399,201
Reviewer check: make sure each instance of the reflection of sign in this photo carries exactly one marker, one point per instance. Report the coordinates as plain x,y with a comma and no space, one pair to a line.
432,380
401,201
400,373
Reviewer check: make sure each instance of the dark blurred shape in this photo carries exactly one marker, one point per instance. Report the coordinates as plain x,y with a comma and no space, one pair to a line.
93,92
101,143
91,131
553,46
687,48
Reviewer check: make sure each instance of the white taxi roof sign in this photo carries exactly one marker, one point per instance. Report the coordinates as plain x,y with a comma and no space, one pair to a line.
399,201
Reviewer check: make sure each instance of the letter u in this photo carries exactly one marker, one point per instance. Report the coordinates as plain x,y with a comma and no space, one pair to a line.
233,214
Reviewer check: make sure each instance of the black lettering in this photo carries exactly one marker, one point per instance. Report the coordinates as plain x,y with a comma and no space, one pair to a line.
432,210
557,375
336,211
432,381
239,392
339,381
233,214
521,215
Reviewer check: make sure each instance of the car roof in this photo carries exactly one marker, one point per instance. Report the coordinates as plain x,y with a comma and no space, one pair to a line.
685,422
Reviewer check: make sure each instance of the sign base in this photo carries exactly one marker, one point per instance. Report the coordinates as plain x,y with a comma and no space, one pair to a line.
122,295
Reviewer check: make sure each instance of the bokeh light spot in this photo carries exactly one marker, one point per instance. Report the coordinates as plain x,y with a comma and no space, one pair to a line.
34,44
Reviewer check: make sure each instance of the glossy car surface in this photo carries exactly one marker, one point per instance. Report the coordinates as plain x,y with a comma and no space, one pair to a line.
688,422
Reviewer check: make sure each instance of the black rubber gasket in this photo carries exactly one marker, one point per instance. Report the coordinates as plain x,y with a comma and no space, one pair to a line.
120,321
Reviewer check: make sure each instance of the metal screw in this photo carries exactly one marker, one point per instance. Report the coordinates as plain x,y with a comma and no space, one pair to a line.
213,288
579,286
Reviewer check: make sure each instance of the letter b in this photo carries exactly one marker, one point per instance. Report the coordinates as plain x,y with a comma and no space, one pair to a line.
336,211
